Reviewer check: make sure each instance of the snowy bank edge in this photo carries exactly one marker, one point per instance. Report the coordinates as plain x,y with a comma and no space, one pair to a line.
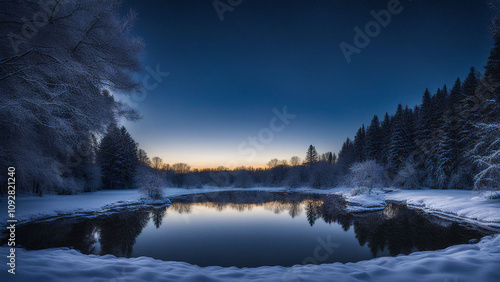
374,201
90,212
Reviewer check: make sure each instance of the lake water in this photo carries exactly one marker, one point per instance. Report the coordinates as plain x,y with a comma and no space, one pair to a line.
250,229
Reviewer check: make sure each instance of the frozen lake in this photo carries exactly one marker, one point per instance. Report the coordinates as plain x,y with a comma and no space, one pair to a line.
250,229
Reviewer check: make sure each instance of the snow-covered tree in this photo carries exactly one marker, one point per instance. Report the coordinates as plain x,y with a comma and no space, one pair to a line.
408,177
54,70
368,174
150,184
292,179
487,156
322,175
243,179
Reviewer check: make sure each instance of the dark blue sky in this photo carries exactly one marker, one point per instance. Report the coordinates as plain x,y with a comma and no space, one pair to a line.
227,76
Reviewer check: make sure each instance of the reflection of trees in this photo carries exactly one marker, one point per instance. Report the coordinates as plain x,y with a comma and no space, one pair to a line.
157,216
246,201
331,209
84,236
116,233
119,231
60,233
311,212
396,229
180,208
294,209
406,231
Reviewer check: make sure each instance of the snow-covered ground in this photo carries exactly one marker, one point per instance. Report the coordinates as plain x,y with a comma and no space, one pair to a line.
453,204
478,262
465,204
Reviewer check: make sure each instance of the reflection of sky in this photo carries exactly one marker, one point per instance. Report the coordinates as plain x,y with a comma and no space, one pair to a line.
256,236
226,77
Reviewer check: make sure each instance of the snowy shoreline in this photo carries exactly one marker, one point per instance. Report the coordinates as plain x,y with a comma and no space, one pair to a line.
467,262
451,204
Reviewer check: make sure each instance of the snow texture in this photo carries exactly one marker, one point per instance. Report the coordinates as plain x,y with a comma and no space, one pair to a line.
470,262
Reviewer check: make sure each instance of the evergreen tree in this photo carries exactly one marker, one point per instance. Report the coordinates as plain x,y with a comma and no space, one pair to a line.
446,153
346,155
400,144
468,117
386,131
118,159
373,140
330,157
311,156
129,152
455,95
425,129
492,68
470,84
334,158
448,149
359,145
424,132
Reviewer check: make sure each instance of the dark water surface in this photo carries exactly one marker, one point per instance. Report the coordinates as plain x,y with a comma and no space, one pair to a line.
249,229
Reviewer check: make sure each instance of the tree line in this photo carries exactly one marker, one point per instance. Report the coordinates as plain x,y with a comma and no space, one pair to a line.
59,79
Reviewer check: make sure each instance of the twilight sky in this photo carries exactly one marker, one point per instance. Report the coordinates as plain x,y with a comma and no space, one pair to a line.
225,77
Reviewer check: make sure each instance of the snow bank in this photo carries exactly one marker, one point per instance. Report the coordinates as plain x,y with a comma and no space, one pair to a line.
453,203
30,208
469,262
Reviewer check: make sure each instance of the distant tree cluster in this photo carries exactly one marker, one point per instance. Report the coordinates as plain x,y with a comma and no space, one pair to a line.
316,170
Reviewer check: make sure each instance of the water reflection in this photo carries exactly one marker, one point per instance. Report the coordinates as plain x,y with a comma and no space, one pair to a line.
393,231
